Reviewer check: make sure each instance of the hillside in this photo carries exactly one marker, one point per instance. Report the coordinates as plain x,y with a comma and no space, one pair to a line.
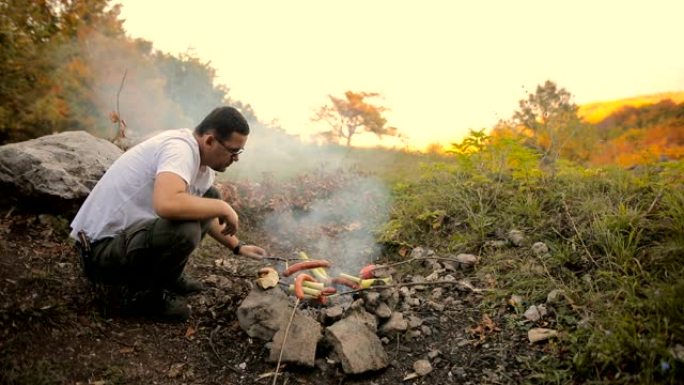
597,111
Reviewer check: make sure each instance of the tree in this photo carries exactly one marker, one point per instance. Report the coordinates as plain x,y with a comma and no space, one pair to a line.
351,115
35,66
550,117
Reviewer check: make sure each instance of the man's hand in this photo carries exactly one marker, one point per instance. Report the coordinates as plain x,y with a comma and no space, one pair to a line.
252,251
230,221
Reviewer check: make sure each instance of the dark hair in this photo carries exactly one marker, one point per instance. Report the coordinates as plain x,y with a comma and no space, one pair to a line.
223,121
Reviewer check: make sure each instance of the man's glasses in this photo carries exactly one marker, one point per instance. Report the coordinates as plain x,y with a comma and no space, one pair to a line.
231,151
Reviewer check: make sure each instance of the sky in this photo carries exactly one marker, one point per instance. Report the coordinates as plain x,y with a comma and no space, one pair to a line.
441,67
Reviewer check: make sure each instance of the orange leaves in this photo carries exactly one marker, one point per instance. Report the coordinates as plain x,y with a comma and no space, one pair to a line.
485,328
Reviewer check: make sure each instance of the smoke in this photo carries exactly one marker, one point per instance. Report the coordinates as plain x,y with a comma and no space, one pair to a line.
161,92
340,227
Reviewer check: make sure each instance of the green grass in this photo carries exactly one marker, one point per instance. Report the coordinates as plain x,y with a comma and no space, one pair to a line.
616,240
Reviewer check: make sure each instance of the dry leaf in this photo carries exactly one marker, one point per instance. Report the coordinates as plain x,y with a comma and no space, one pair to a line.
540,334
268,278
126,350
190,332
485,328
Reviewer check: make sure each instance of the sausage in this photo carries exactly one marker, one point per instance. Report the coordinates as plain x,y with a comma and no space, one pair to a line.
320,273
328,291
298,289
368,272
346,282
312,264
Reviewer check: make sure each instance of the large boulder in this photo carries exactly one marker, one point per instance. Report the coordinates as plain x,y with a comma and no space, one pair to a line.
55,171
357,346
263,312
300,346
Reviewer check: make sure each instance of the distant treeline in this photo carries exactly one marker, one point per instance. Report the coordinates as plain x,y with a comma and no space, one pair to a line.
627,135
68,65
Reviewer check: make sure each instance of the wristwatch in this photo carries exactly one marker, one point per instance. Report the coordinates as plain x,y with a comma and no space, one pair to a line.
236,249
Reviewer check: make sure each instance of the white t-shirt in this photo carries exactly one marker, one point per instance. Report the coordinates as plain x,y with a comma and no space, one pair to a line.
123,196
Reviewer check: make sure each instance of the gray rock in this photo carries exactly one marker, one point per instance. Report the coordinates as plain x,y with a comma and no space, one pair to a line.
434,276
555,296
301,342
515,300
516,237
414,322
436,306
437,292
358,347
449,266
413,334
418,252
383,311
263,312
540,248
390,297
55,171
422,367
371,299
395,324
426,330
357,312
333,313
533,313
467,260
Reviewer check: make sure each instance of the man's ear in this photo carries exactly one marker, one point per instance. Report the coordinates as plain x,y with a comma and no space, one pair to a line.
208,139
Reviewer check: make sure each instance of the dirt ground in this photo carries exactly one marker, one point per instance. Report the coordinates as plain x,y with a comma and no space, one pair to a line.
53,329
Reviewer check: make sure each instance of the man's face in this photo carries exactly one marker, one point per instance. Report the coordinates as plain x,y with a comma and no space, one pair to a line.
224,153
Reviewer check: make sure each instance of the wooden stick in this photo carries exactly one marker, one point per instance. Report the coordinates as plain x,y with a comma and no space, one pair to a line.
211,344
118,113
282,346
417,259
382,287
572,222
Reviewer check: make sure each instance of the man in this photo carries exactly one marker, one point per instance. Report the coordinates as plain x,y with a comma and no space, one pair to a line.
152,207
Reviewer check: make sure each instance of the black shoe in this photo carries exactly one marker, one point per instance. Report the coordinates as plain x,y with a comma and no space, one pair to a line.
185,285
161,305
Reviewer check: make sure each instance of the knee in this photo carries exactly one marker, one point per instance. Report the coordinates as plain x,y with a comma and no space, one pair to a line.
187,235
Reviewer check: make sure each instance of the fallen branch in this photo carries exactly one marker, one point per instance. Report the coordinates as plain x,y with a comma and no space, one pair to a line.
118,113
281,259
418,259
213,347
572,222
462,285
282,346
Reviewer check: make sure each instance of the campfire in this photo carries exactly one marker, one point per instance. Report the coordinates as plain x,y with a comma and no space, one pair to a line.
340,319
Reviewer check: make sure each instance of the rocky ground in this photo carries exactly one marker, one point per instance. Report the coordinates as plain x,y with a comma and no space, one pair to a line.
53,329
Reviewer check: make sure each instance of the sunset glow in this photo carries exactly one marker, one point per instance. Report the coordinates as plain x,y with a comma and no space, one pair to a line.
442,67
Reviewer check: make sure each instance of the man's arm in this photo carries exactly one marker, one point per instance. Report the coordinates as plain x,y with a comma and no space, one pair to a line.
171,201
231,241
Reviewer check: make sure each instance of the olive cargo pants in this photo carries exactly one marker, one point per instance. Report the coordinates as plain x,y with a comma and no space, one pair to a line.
150,255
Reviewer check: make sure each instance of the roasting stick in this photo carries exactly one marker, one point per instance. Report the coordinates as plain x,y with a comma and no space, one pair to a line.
462,286
282,346
417,259
281,259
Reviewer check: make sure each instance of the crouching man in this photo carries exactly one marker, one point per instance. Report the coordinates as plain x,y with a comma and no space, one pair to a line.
153,206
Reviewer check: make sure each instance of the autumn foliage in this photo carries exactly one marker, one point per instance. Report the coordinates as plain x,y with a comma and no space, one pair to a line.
62,64
550,123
